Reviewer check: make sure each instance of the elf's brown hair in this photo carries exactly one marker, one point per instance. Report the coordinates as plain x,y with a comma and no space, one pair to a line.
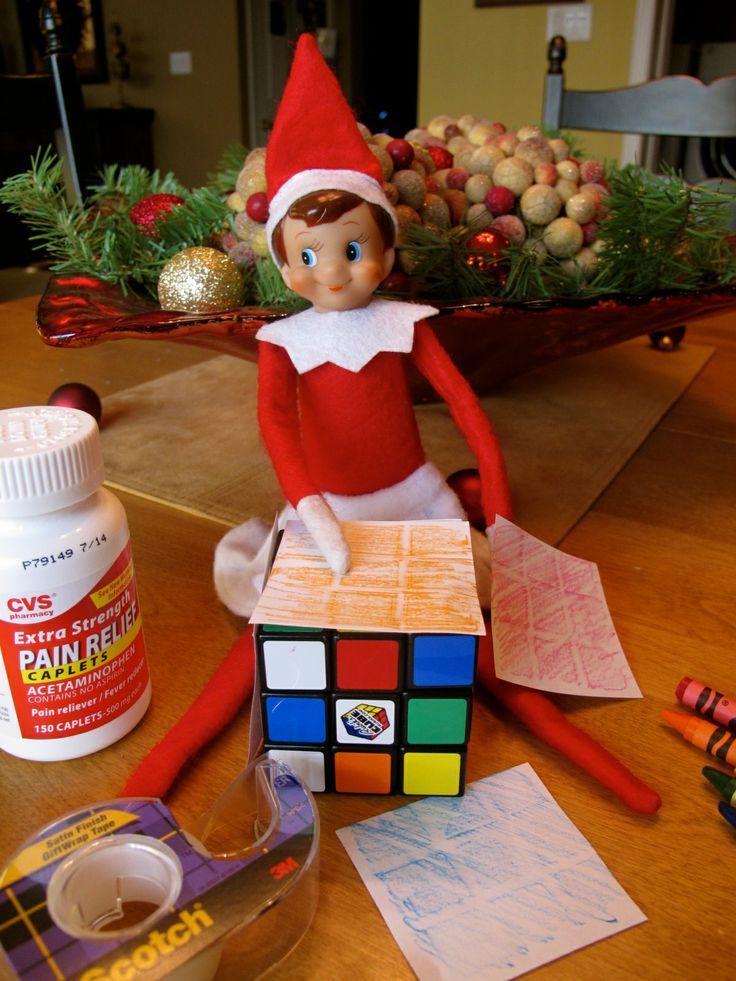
323,207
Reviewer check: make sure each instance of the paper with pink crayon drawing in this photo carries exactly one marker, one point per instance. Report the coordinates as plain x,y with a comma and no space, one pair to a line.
552,629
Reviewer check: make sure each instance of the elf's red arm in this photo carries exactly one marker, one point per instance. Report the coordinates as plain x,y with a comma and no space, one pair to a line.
278,417
435,364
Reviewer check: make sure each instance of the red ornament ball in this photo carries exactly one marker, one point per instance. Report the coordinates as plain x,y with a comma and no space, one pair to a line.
466,484
591,171
256,207
76,395
590,232
149,211
500,200
486,251
401,152
457,178
442,157
432,185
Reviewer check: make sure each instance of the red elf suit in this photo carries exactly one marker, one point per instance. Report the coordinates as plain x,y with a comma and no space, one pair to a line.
338,421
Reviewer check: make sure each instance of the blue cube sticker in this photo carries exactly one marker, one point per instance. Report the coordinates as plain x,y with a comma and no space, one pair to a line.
295,719
443,660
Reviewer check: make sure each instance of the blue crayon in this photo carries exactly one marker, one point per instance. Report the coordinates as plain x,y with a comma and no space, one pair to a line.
728,812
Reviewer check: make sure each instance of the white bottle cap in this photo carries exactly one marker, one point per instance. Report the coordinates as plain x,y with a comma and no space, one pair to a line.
50,458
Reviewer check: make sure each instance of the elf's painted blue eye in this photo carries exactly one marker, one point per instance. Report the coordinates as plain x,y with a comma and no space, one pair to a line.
353,252
309,257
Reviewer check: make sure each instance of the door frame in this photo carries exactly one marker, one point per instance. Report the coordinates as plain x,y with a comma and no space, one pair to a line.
650,54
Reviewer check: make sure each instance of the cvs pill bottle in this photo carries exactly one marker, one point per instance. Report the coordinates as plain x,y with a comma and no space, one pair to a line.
73,670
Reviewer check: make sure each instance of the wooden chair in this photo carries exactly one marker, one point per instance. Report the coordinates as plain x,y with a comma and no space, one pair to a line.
675,105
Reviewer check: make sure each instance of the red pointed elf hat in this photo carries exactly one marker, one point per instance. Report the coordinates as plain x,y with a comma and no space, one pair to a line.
315,144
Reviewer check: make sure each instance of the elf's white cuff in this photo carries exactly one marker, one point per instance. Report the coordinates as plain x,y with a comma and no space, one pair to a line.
321,523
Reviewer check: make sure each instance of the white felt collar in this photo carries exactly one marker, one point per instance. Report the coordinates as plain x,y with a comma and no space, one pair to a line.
347,338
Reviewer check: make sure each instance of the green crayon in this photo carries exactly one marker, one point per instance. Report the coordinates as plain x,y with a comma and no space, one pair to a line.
725,785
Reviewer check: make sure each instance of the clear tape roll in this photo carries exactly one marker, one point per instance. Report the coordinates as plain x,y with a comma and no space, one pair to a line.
129,893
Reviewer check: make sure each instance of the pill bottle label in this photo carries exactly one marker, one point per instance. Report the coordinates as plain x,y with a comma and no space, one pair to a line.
73,658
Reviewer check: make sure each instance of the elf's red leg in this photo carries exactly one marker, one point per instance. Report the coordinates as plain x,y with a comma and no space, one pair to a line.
216,705
546,721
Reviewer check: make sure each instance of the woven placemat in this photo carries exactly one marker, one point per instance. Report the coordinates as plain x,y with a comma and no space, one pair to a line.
191,438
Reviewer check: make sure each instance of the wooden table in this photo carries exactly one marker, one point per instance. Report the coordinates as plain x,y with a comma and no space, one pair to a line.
664,538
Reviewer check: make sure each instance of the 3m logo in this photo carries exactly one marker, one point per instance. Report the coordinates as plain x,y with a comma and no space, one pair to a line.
29,604
281,869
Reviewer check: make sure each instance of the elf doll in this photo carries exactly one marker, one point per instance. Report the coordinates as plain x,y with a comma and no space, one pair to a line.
336,415
334,405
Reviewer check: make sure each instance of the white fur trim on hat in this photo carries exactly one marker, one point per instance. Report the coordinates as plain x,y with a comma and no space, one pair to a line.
307,181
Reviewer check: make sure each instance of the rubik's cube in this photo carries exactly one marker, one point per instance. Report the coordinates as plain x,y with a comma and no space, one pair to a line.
372,713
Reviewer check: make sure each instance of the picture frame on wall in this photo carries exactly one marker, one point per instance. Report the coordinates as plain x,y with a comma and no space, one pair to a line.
82,30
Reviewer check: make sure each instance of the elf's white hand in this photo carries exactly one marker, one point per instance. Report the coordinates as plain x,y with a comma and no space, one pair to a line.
320,521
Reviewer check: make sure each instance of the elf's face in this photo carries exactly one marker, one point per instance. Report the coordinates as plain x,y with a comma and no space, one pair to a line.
337,266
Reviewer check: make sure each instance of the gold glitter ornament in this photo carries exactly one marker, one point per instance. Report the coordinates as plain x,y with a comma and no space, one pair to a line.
200,280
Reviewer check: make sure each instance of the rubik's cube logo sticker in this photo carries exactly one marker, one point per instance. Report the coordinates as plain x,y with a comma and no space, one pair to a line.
366,721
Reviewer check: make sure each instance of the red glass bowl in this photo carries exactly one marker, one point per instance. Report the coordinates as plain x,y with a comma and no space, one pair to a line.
489,340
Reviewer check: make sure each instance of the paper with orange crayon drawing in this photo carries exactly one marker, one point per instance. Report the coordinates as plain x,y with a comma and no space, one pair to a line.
551,625
405,576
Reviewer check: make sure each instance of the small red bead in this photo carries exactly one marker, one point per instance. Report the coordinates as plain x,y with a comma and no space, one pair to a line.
401,152
256,207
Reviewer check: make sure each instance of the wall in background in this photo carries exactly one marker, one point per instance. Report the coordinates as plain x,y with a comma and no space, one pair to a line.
488,60
197,115
491,61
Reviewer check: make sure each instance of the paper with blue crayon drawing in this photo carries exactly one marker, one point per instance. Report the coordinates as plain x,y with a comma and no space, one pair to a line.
490,885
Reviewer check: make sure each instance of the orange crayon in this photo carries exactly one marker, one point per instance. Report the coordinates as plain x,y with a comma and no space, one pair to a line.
715,740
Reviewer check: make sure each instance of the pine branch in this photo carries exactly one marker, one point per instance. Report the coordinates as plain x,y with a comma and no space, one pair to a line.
97,237
659,235
439,260
131,183
528,278
38,197
662,235
222,180
270,291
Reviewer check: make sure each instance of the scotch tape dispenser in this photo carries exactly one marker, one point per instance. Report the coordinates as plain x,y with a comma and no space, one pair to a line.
119,891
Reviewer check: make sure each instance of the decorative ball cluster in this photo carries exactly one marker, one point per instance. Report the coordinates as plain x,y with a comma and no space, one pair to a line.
245,242
466,171
474,172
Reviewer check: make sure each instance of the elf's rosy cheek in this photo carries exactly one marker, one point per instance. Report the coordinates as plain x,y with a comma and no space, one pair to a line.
367,272
301,279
